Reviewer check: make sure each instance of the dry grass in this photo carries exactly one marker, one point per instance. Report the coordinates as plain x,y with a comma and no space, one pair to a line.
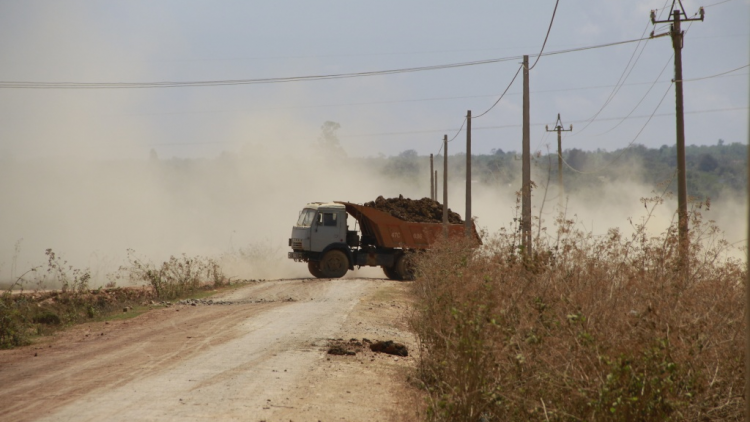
28,309
592,328
176,277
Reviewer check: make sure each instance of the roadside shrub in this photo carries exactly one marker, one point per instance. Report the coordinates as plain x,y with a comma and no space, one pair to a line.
28,308
591,328
14,323
176,276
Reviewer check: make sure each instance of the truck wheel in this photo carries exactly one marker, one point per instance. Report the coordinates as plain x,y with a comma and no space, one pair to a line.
405,267
334,264
312,266
391,273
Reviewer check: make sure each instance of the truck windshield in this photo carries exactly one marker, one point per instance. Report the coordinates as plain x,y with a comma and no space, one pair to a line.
306,218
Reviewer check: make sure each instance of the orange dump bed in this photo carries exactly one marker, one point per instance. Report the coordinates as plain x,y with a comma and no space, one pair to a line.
391,232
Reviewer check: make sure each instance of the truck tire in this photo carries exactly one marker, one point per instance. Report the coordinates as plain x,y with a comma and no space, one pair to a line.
334,264
405,267
312,266
391,273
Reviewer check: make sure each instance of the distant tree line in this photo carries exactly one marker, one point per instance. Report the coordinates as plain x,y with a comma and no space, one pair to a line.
714,171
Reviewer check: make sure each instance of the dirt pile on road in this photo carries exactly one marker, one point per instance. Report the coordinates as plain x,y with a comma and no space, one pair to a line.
352,347
423,210
390,347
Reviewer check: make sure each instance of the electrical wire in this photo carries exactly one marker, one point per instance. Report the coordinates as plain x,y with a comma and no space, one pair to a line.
622,151
546,36
501,95
654,84
424,131
487,111
232,82
715,76
432,131
716,4
545,134
454,136
366,103
620,81
459,131
618,86
639,102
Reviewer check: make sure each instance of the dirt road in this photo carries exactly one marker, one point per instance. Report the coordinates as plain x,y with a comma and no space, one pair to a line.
259,356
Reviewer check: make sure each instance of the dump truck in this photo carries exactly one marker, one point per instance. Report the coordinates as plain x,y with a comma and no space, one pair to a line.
323,239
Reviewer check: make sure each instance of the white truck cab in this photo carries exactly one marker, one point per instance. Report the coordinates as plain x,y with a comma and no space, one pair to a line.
320,238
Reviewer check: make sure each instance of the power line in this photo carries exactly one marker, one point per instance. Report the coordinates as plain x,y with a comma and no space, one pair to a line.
503,94
509,126
716,4
545,134
459,130
642,98
715,76
622,151
429,131
487,111
618,85
408,100
617,89
654,84
231,82
546,36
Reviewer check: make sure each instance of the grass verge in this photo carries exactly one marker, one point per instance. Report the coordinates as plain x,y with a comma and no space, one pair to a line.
591,328
29,313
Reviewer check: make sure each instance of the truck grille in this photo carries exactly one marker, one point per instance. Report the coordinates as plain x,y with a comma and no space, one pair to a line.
296,244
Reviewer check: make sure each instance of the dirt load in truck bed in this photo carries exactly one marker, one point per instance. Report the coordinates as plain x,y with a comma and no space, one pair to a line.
422,210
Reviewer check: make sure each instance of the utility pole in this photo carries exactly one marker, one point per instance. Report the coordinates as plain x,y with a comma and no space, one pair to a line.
436,185
526,187
445,186
559,129
467,217
677,43
432,181
747,306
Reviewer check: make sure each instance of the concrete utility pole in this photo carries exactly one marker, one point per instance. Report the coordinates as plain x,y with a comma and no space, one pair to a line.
445,186
559,129
432,181
526,187
747,305
436,185
467,217
677,43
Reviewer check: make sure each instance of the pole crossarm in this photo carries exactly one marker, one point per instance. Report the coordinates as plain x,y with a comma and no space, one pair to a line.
558,126
701,13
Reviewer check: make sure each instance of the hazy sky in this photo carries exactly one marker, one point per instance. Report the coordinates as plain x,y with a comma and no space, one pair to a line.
180,40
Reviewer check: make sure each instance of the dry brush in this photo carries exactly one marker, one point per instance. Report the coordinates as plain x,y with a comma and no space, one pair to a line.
591,328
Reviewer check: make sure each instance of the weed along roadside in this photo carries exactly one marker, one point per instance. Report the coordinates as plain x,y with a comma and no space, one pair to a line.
27,312
591,328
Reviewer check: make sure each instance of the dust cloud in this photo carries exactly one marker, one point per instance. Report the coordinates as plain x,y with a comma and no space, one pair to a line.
613,203
239,207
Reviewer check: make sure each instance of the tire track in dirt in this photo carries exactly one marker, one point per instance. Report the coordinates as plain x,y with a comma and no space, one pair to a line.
76,365
242,361
246,372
